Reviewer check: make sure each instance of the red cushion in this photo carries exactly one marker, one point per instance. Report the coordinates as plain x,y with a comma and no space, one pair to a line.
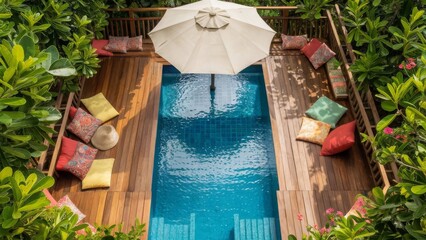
72,112
99,46
68,147
310,48
339,140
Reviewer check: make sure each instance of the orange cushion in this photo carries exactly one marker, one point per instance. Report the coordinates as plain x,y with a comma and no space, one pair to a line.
68,147
99,46
339,140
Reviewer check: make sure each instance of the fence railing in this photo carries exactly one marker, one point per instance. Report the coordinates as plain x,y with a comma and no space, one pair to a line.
362,102
140,21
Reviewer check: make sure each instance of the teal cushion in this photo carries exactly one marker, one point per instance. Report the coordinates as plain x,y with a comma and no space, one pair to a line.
326,110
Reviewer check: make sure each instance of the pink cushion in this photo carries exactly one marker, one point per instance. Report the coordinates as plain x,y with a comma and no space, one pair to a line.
66,201
99,46
68,147
117,44
49,197
294,42
339,140
321,56
79,165
310,48
84,125
134,44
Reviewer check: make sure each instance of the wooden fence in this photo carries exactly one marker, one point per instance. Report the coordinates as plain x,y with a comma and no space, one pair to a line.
140,21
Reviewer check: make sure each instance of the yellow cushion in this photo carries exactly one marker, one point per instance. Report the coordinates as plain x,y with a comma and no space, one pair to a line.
99,107
313,131
99,174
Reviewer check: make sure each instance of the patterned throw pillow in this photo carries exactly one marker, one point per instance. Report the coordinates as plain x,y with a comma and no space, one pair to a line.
79,165
99,46
313,131
294,42
84,125
117,44
318,53
135,44
326,110
66,201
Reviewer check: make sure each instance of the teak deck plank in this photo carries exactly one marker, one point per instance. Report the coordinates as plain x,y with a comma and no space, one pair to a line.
308,183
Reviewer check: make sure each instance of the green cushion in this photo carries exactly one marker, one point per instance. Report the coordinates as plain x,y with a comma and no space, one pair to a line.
325,110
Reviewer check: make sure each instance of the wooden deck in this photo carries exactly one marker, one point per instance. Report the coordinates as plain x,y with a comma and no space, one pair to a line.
309,183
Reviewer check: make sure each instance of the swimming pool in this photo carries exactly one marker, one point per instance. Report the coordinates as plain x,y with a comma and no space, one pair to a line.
214,174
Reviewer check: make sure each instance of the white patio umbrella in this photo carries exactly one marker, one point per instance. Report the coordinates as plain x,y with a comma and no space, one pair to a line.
212,36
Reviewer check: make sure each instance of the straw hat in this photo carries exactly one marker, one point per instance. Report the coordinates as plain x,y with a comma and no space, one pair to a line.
105,137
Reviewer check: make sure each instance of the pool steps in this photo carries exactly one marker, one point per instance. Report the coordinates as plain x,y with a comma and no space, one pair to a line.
254,229
165,231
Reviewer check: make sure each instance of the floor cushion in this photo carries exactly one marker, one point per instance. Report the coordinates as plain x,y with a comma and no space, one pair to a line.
68,147
84,125
99,46
99,174
326,110
134,44
66,201
294,42
99,107
80,161
318,53
337,79
313,131
117,44
339,140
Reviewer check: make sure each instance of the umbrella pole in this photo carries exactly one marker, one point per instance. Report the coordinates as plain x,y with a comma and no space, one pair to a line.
212,86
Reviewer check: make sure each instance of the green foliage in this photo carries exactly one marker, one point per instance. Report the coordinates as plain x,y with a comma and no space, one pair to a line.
114,232
26,76
369,69
21,201
25,212
411,38
400,212
311,9
339,227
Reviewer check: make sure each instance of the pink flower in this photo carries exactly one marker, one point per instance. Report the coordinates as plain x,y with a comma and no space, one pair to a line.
299,217
388,130
316,226
339,213
401,66
408,66
413,64
410,60
322,230
329,211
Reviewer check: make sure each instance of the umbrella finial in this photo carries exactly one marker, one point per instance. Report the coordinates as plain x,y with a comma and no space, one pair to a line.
213,18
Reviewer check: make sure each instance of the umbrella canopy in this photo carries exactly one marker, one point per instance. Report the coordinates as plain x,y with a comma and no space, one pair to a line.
212,36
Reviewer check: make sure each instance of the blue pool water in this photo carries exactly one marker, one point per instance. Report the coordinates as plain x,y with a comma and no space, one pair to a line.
214,158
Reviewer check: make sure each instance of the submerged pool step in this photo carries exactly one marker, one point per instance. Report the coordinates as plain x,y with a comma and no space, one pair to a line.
165,231
254,229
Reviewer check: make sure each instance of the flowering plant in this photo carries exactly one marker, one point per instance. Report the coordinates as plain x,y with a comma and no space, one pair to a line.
338,226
